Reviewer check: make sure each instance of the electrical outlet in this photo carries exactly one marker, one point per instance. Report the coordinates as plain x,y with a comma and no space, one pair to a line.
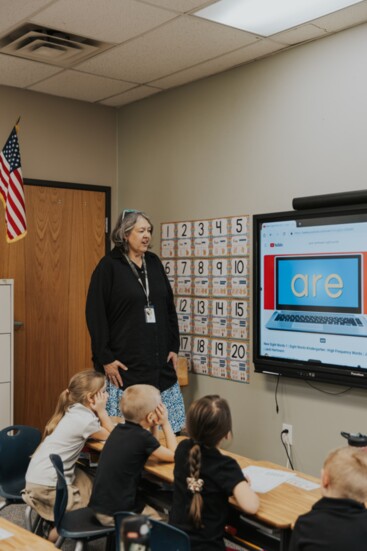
288,438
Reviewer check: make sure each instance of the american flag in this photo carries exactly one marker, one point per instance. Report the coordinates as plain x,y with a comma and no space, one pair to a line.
11,189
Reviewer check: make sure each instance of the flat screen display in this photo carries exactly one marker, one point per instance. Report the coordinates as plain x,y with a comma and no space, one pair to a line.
310,294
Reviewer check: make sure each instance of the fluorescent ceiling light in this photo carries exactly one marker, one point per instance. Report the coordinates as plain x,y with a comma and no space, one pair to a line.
267,17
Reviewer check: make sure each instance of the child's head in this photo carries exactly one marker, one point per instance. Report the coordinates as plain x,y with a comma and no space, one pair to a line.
139,402
344,474
81,389
209,420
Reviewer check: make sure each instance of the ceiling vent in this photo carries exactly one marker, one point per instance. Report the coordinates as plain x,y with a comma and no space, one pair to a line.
50,46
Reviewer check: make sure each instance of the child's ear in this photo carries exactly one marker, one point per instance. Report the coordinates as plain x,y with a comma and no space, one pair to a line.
90,398
151,418
325,479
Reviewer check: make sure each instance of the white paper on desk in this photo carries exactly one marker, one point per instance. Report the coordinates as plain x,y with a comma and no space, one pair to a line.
263,480
4,534
303,483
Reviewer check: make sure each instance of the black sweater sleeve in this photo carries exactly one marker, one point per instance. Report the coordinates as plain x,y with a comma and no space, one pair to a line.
96,313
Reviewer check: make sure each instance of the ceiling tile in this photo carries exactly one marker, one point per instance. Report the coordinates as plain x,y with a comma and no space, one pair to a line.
300,34
132,95
71,84
11,11
22,73
222,63
343,19
177,45
181,6
114,21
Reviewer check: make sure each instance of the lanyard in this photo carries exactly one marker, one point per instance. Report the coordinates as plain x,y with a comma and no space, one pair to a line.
133,267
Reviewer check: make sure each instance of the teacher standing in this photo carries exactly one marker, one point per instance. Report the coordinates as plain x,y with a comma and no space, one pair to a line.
132,318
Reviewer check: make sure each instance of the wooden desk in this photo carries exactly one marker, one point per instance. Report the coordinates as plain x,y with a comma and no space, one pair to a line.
279,508
22,540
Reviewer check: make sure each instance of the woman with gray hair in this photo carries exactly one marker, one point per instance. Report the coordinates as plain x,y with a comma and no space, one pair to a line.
132,318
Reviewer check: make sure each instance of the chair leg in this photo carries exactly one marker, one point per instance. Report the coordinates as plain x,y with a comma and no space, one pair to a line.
79,545
60,540
28,518
3,504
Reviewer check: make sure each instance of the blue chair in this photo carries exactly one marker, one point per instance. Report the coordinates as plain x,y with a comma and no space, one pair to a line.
17,444
80,525
162,537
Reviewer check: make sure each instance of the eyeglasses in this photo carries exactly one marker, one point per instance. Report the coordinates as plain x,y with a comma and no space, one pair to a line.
126,212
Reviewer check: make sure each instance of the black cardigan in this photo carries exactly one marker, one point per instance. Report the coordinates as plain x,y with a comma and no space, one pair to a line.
117,326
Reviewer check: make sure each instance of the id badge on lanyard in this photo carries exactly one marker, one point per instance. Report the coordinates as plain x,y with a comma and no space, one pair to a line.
149,314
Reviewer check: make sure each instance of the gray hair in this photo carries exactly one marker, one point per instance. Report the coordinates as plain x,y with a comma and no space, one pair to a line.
124,225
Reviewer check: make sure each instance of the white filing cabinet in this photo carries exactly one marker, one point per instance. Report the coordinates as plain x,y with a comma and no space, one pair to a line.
6,352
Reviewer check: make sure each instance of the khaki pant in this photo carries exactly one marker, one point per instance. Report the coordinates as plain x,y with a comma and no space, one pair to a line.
42,498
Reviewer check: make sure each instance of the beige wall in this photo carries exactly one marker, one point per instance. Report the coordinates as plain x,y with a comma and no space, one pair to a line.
60,139
248,141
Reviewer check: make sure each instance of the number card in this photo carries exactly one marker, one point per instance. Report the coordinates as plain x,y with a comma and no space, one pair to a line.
239,319
201,228
168,248
201,286
184,286
201,316
201,268
239,225
238,365
220,287
220,319
184,229
220,246
169,267
201,246
184,267
200,355
184,247
239,245
220,227
239,287
168,231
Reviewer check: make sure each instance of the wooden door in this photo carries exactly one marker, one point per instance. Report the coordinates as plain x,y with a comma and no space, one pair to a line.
51,268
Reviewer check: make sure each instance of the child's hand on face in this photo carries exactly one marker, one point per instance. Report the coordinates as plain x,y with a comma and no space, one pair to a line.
162,414
99,401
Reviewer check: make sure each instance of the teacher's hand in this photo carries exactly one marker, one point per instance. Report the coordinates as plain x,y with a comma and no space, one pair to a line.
173,356
113,374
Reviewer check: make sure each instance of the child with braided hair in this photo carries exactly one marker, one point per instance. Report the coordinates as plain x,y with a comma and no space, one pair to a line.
205,478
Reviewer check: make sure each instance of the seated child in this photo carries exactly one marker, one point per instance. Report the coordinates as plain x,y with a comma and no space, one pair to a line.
205,478
80,413
338,521
126,451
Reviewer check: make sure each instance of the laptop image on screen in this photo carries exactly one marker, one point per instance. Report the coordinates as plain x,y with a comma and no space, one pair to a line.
319,294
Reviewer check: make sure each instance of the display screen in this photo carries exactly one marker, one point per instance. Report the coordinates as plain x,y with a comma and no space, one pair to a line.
310,294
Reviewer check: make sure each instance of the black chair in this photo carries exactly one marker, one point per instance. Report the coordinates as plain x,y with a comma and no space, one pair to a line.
162,537
17,443
80,525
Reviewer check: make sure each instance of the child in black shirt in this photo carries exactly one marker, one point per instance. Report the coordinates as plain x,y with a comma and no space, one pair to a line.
205,478
338,521
126,451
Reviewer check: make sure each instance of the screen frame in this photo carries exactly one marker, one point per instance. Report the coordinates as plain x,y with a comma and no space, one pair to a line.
311,370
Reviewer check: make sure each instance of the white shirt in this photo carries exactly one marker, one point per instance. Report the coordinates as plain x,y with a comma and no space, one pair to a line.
67,441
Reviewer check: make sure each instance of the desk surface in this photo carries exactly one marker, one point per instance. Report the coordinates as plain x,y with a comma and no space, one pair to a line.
279,508
22,540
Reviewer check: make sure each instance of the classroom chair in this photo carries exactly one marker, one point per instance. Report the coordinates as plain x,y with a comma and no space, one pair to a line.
17,443
80,525
162,536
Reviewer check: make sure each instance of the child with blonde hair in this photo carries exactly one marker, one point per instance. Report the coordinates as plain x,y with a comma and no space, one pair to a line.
126,451
205,478
338,521
80,413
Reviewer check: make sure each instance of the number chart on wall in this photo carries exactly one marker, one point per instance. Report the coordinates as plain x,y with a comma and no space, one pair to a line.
207,264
